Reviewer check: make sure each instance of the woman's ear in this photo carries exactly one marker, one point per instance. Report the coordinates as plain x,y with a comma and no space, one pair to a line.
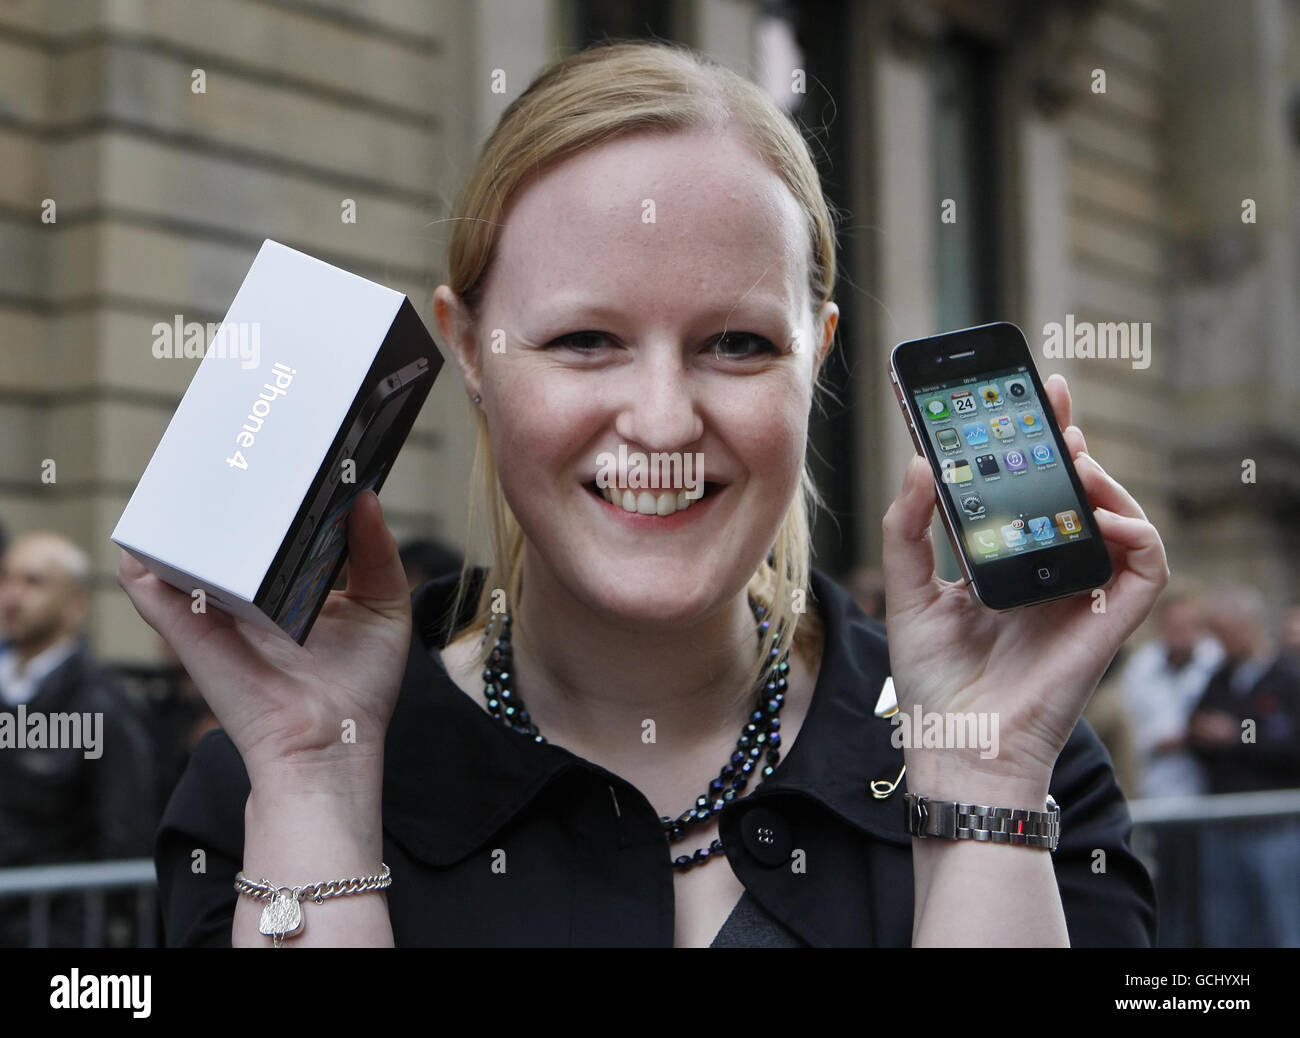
827,321
457,328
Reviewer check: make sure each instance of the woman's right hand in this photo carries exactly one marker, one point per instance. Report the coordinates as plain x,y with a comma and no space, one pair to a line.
288,708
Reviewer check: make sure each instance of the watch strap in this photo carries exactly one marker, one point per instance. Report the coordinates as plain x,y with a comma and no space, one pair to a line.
957,821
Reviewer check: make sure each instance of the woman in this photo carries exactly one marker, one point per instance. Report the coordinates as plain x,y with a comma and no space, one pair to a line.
642,264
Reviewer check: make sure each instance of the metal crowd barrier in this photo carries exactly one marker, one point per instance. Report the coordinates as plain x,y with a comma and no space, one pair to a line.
1271,803
92,882
1171,834
1164,831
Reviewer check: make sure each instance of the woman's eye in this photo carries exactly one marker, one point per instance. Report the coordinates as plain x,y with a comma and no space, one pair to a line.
583,342
730,344
742,344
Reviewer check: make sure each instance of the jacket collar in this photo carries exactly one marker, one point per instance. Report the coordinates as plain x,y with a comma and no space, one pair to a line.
439,741
59,682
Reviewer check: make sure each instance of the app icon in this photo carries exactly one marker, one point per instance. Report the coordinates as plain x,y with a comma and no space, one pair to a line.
948,439
963,402
1017,389
1002,427
987,464
991,396
986,541
935,408
976,434
1042,454
1029,422
1068,521
972,505
957,470
1041,528
1015,461
1013,534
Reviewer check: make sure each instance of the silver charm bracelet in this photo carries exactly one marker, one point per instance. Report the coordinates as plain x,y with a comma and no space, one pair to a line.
282,917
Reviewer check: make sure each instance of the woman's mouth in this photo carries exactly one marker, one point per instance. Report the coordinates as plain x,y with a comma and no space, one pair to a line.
652,502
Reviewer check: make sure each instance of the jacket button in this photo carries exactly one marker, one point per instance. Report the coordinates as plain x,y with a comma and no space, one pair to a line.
766,836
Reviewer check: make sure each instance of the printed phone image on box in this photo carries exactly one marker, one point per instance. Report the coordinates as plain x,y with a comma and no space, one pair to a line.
246,497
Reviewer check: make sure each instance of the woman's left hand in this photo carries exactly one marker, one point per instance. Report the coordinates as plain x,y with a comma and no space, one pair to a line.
1032,669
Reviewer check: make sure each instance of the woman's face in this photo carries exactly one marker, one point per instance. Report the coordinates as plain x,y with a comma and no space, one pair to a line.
617,272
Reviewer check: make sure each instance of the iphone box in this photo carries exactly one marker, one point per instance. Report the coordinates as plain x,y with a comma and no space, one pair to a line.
304,397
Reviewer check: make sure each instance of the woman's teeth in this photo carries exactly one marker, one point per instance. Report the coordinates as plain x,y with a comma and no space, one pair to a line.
663,502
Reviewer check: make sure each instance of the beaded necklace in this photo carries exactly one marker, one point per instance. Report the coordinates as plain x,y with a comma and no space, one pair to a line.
762,733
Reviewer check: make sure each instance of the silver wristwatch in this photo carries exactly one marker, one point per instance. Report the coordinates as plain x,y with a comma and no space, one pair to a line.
955,821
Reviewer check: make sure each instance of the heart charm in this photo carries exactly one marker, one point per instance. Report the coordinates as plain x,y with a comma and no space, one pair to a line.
282,917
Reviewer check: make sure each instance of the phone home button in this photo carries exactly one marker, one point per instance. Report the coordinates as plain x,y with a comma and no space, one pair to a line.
1047,575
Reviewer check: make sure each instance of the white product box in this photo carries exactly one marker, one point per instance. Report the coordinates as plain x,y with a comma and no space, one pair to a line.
246,497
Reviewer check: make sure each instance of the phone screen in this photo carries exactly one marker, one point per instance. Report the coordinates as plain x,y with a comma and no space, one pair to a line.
1000,464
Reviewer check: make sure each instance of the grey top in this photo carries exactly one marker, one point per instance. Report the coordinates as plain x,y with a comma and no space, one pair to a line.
750,925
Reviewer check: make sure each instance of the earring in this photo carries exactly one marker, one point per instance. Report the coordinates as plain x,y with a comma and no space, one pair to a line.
478,399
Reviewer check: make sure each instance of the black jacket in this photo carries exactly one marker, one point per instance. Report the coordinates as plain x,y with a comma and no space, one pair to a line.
58,806
1272,760
588,863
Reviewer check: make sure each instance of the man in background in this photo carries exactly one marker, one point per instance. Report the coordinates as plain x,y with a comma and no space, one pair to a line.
62,803
1247,724
1163,682
1161,685
1247,730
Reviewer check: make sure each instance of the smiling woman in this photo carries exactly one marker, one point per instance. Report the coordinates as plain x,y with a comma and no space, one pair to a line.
697,224
642,263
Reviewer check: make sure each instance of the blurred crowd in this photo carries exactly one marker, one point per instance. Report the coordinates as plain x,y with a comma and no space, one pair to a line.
1210,705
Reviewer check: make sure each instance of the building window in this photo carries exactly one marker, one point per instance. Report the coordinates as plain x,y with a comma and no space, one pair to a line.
592,21
966,147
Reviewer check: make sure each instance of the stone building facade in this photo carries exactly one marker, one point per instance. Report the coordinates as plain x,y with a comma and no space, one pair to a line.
148,147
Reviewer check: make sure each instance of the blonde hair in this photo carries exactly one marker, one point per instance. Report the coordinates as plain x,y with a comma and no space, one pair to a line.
577,103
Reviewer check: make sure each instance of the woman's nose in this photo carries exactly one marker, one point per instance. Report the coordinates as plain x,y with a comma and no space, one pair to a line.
658,409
